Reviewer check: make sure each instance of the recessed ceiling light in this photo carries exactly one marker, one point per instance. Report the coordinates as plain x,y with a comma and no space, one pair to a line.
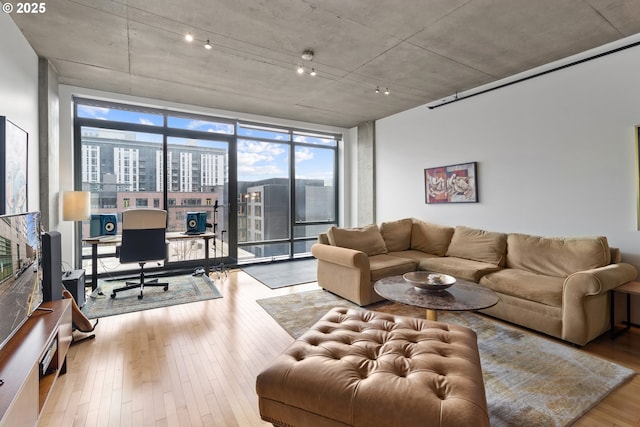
188,37
207,45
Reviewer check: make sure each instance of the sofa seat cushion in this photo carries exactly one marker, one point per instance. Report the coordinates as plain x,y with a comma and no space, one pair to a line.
387,265
458,267
526,285
397,234
556,256
413,255
365,239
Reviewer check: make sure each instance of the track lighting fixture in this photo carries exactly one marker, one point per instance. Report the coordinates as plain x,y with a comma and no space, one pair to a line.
207,45
188,37
377,89
307,55
386,91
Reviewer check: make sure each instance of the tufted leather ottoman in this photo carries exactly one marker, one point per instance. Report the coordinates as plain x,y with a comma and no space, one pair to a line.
364,368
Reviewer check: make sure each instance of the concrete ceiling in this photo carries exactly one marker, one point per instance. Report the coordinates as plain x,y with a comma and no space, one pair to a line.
422,50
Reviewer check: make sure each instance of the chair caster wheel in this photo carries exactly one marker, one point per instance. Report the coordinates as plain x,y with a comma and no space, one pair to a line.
113,295
166,288
140,296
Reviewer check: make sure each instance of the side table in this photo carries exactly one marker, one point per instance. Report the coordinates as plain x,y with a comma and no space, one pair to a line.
629,288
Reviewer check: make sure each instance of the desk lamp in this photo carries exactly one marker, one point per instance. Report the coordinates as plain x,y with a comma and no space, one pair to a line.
76,206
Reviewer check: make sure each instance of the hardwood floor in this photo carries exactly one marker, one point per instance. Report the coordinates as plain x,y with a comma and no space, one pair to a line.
196,364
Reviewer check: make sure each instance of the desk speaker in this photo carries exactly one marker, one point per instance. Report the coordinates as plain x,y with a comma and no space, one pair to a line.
196,222
103,225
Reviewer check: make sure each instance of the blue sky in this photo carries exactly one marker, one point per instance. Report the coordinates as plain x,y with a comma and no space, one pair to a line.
257,160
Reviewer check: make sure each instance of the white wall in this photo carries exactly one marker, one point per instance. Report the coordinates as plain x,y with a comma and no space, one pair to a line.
556,155
19,95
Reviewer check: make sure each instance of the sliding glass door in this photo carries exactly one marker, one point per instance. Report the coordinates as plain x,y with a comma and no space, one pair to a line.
286,191
315,191
263,195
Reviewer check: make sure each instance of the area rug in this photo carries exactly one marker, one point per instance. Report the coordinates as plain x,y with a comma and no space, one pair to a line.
529,380
279,274
182,290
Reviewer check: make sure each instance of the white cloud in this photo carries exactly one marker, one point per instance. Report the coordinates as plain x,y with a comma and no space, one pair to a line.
209,126
144,121
252,152
303,154
261,159
261,171
94,112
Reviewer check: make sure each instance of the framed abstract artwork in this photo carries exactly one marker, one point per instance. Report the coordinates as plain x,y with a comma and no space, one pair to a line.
13,161
451,184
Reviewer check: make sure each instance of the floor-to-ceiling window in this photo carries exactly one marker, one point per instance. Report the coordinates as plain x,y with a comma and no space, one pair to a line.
286,190
266,191
315,183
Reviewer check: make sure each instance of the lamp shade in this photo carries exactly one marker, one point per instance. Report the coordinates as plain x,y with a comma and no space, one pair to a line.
76,205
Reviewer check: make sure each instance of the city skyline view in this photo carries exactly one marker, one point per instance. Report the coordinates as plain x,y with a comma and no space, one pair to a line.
284,177
257,160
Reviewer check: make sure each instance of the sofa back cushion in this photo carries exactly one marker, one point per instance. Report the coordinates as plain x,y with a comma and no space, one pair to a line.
478,245
323,238
555,256
397,234
430,238
366,239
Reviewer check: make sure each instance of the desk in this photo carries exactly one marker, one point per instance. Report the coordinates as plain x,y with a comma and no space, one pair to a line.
116,240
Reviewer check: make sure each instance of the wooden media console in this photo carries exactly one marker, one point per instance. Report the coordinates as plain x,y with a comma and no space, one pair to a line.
31,361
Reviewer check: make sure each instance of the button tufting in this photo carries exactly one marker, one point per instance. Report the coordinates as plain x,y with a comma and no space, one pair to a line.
373,348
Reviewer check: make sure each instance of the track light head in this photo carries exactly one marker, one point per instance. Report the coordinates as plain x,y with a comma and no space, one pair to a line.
207,45
300,69
313,72
386,91
188,37
377,89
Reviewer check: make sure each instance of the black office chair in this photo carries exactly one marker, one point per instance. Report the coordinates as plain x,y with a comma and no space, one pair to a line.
143,240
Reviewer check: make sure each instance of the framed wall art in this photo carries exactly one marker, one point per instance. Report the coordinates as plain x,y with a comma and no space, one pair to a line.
451,184
13,161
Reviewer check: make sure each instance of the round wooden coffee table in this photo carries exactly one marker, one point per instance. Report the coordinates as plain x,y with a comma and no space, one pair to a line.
461,296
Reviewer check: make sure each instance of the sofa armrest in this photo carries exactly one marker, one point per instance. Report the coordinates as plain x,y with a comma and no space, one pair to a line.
598,280
583,317
342,256
345,272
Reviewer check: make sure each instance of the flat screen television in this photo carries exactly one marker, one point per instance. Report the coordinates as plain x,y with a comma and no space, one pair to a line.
20,271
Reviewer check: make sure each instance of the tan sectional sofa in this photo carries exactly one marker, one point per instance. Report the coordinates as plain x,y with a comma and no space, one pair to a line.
558,286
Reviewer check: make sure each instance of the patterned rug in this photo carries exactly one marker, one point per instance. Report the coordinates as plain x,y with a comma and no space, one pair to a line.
182,290
529,380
